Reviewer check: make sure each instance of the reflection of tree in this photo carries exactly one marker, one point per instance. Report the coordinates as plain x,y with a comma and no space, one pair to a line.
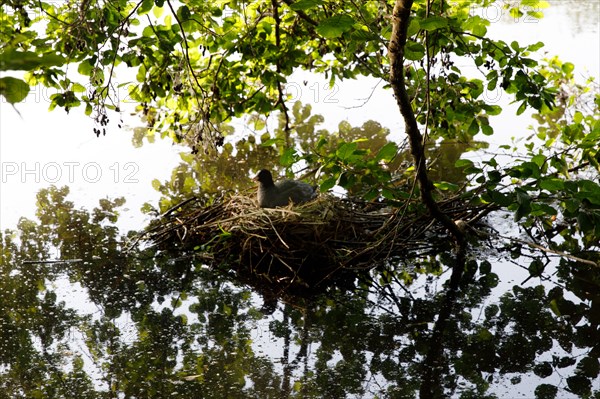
172,328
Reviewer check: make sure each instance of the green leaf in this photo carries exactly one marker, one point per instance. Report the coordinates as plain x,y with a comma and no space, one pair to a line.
473,128
579,385
463,163
487,130
585,222
346,150
500,198
568,68
13,89
388,194
327,184
288,157
145,7
445,186
13,60
552,184
536,46
536,268
302,5
335,26
414,51
387,152
270,142
433,23
539,160
524,201
184,13
493,110
589,366
413,28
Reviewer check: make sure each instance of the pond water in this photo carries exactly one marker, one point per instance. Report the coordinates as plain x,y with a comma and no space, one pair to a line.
143,324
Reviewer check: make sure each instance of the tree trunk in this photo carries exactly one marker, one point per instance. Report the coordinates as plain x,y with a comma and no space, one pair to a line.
400,17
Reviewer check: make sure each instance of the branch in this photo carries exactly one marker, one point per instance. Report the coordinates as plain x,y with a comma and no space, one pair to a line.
400,19
185,46
281,96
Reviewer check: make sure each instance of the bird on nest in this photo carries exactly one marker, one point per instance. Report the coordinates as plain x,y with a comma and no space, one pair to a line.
272,194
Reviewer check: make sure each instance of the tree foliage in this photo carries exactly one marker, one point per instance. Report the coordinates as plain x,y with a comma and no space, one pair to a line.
197,65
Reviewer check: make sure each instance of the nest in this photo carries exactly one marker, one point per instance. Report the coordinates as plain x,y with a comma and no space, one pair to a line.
302,249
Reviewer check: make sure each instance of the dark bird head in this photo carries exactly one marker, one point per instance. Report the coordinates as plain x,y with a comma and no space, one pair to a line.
264,177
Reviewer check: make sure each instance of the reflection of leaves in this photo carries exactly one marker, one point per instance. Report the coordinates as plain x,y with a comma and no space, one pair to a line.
189,331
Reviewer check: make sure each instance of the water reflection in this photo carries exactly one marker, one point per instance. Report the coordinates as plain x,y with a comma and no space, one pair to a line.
161,326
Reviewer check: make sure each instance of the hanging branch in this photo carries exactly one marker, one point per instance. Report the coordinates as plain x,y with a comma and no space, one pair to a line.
281,98
400,17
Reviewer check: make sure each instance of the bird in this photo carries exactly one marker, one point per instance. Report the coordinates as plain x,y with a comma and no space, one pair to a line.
281,193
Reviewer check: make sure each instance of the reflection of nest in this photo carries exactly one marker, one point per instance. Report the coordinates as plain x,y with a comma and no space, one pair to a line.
301,249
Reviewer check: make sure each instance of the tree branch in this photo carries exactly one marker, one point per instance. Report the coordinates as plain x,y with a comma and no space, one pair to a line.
400,19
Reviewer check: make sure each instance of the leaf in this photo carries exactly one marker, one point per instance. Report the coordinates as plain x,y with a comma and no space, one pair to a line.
414,51
579,385
288,157
433,23
85,67
13,89
346,150
184,13
13,60
539,160
445,186
500,198
413,28
327,184
585,222
473,128
145,7
552,184
536,268
487,130
387,152
567,68
522,108
302,5
158,11
535,4
524,201
335,26
493,109
463,163
536,46
270,142
589,367
546,391
388,194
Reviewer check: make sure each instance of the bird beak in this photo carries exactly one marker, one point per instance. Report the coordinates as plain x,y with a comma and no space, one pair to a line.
255,178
